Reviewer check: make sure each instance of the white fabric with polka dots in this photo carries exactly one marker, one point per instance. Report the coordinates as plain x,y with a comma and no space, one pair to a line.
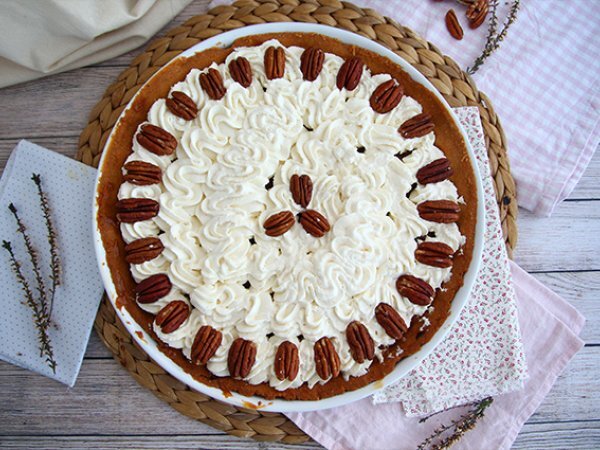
70,189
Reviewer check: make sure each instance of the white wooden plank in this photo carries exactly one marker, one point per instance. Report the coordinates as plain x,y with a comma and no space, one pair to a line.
549,436
566,241
217,442
589,185
559,436
107,400
582,290
58,105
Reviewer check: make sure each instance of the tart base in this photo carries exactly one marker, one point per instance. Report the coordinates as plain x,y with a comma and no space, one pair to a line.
448,138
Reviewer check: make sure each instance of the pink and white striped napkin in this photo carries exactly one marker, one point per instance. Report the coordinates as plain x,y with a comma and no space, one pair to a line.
543,81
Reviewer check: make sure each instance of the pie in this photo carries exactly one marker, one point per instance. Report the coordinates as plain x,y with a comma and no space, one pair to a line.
288,217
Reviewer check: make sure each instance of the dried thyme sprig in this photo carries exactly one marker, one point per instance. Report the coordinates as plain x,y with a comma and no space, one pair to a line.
55,266
493,38
40,315
466,405
33,257
458,427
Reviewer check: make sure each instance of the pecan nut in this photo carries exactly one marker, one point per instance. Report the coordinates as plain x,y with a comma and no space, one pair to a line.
131,210
279,223
453,25
386,96
311,63
212,83
182,106
417,291
206,343
314,223
142,250
240,71
142,173
435,171
172,316
301,188
435,254
360,341
241,357
274,62
441,211
477,12
417,126
327,361
390,321
156,140
153,288
287,361
350,73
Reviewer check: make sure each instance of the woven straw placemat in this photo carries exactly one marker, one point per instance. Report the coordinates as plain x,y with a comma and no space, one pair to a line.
455,85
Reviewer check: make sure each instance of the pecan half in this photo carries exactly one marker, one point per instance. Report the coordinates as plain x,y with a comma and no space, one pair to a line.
314,223
131,210
274,62
350,73
441,211
435,254
417,126
241,357
241,71
142,250
311,63
153,288
360,341
287,362
182,106
279,223
142,173
453,25
212,83
386,96
206,343
301,188
477,12
327,361
435,171
417,291
390,321
172,316
156,140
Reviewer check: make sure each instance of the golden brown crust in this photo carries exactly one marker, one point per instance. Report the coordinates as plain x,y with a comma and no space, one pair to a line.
448,138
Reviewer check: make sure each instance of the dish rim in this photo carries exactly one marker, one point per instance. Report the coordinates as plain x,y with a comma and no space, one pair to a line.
403,367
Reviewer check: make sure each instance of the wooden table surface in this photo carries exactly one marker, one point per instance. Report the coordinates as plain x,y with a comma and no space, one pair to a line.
108,409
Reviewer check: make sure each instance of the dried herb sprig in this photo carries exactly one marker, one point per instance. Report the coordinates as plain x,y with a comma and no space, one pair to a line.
494,38
40,314
55,265
33,257
458,427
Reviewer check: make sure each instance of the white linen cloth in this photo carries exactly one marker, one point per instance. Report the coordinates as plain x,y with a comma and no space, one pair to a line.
69,186
483,353
39,38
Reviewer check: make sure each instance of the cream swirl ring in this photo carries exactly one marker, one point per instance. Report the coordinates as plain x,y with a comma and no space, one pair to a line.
231,171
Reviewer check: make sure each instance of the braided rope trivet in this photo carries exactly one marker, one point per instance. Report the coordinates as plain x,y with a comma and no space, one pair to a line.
455,85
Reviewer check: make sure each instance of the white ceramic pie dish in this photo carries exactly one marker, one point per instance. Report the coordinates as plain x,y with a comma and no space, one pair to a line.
405,365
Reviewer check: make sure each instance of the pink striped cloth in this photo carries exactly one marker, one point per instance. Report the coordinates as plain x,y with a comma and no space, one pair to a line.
543,80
